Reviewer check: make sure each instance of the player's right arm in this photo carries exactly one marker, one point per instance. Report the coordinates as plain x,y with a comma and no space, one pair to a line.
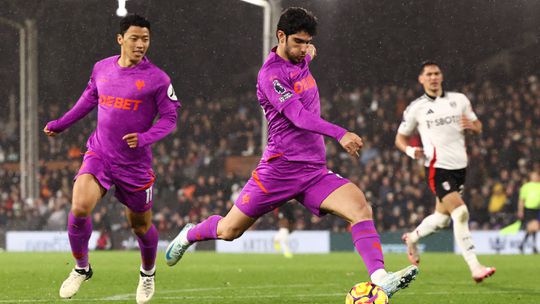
86,103
407,126
281,95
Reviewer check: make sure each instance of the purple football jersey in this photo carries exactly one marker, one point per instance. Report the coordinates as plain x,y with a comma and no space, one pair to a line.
278,83
128,101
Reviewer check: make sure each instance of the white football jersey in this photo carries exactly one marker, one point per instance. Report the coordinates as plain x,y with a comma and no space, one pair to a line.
438,122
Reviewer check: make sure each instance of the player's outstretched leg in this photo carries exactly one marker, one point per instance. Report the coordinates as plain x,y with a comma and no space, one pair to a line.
412,249
178,246
367,243
429,225
205,230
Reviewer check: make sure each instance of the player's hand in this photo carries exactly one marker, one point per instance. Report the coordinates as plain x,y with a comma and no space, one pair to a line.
467,123
312,51
415,152
49,132
520,214
352,143
132,140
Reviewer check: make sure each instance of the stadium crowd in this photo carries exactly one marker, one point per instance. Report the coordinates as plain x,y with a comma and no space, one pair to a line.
192,182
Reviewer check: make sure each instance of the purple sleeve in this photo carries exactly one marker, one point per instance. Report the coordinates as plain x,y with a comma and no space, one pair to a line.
306,120
281,95
167,104
86,103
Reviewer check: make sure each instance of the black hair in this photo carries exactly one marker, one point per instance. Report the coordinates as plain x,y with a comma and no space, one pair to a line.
296,19
426,63
133,20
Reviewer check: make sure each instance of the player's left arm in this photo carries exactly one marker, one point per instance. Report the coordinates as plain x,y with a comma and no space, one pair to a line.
168,104
469,120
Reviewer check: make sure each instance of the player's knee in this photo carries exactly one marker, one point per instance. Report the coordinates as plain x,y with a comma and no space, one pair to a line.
460,214
80,210
361,212
139,229
230,233
442,220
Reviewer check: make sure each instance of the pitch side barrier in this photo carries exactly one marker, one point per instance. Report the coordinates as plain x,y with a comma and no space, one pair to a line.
318,241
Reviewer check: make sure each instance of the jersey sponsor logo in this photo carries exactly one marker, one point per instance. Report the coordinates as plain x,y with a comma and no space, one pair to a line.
305,84
171,93
139,84
119,103
451,119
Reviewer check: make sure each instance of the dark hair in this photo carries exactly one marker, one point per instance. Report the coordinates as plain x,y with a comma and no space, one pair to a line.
134,20
296,19
426,63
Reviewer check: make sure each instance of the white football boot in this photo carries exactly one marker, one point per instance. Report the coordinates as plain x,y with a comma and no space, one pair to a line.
73,282
146,288
394,281
178,246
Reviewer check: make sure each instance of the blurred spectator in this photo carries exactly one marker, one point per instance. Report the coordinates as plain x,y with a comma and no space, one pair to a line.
191,181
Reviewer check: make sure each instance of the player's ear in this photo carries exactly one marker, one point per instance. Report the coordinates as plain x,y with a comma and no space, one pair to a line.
281,36
119,39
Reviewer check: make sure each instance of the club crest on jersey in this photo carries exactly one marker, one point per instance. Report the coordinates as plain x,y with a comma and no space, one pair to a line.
171,93
446,186
139,84
453,104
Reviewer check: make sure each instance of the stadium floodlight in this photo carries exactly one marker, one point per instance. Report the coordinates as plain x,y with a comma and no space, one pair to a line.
267,40
121,11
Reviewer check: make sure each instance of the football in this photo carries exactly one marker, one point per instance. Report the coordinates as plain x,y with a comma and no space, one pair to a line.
366,292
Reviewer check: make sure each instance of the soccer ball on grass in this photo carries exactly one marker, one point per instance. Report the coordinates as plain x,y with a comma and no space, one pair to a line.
366,292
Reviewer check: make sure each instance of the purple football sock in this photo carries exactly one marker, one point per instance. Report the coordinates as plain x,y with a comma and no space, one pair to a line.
205,230
148,245
79,231
368,244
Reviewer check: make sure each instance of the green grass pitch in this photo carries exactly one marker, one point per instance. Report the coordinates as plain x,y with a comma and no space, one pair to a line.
260,278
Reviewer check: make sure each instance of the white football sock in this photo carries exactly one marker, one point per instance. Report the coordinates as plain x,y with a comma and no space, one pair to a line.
148,272
429,225
378,275
460,216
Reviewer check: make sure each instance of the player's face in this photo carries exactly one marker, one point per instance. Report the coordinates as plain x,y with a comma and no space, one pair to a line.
295,45
134,43
431,78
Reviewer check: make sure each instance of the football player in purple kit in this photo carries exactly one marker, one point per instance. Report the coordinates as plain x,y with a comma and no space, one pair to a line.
129,92
294,162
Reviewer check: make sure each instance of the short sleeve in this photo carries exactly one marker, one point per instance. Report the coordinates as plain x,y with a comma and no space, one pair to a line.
468,111
408,122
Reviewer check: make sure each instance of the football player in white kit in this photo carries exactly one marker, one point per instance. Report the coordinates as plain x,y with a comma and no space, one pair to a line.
441,118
